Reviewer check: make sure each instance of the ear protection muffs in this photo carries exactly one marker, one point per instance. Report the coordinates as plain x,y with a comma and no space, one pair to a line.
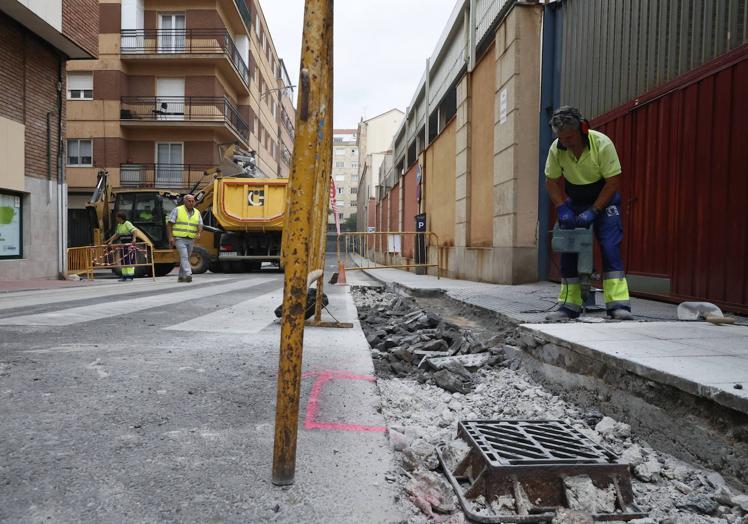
584,126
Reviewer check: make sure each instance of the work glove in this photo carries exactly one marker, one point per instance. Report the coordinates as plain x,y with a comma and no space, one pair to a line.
586,218
565,216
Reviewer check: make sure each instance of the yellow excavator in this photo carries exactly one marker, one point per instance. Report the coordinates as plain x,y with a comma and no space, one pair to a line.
242,212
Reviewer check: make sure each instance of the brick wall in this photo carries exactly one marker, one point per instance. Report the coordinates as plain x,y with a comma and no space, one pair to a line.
203,19
110,16
28,91
203,86
109,152
110,85
80,23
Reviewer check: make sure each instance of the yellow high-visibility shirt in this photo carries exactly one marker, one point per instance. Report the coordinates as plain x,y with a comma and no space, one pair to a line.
598,161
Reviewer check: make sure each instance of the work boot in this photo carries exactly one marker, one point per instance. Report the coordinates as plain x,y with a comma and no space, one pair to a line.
180,279
558,316
188,278
621,314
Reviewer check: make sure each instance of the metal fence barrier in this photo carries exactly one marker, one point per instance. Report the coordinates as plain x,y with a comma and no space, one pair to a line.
383,249
85,260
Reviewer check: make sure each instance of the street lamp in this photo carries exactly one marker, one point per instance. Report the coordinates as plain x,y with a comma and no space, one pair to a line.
281,89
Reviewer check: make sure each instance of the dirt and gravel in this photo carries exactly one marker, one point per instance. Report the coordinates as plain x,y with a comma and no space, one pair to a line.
438,364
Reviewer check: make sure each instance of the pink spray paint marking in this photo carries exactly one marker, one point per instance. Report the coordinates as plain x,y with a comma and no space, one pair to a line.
313,405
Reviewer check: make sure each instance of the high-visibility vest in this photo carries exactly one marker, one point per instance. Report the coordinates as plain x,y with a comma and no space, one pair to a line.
186,226
125,228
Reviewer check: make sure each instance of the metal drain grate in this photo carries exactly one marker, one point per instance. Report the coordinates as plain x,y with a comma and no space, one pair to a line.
518,442
533,464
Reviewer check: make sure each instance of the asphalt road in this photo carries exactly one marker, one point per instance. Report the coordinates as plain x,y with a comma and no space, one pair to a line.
155,402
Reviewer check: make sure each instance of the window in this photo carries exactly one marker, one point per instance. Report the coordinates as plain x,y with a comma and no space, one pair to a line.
339,164
354,179
340,216
354,165
354,190
354,203
79,153
11,226
339,178
80,86
339,152
340,190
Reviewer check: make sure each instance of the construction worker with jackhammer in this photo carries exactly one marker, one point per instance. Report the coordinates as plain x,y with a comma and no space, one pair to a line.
588,162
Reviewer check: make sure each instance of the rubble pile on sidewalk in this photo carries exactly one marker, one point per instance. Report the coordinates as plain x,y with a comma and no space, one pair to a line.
422,414
406,339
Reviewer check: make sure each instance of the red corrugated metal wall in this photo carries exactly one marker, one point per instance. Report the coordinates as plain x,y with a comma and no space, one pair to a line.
684,152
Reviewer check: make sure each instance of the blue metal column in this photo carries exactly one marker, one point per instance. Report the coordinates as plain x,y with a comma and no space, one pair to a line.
550,87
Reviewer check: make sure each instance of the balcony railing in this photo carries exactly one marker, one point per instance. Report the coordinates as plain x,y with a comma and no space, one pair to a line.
184,108
285,154
287,123
183,41
244,12
162,176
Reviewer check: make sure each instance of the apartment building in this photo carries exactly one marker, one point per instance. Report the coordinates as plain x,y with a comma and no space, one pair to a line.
345,173
36,39
374,139
175,80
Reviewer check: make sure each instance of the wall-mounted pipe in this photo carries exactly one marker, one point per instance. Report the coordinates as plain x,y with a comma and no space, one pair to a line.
550,85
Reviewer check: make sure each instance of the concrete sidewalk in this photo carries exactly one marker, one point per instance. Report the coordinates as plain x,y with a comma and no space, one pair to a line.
704,360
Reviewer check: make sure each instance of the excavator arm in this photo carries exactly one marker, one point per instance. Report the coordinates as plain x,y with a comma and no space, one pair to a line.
98,207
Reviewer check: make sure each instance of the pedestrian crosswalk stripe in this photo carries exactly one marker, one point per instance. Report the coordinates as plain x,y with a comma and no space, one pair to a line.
77,315
57,296
247,317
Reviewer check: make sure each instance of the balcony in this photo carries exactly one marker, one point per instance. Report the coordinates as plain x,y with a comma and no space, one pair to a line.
287,123
244,13
184,111
183,46
181,177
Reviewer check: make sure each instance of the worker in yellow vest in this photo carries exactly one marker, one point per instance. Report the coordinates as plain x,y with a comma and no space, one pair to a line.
184,226
125,233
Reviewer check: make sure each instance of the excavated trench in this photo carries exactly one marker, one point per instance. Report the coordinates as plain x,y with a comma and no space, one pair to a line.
440,361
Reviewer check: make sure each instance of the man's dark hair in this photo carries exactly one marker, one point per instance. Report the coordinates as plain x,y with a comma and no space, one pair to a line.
566,116
122,215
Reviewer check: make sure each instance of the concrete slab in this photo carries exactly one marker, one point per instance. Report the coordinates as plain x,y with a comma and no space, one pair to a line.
692,357
696,357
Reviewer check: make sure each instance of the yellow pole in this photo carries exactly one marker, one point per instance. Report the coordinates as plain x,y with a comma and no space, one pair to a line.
324,179
311,115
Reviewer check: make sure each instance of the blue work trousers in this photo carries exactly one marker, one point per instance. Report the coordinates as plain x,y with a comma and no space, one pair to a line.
609,234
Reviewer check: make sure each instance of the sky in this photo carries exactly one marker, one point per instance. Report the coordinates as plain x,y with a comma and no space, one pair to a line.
381,47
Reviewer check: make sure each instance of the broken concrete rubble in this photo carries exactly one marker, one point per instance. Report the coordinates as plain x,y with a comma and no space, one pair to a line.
583,495
418,408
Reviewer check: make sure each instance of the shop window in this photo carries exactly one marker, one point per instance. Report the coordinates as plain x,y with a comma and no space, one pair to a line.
11,226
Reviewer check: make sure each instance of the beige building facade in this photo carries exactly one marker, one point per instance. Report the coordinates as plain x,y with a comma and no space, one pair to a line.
466,153
374,142
175,81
